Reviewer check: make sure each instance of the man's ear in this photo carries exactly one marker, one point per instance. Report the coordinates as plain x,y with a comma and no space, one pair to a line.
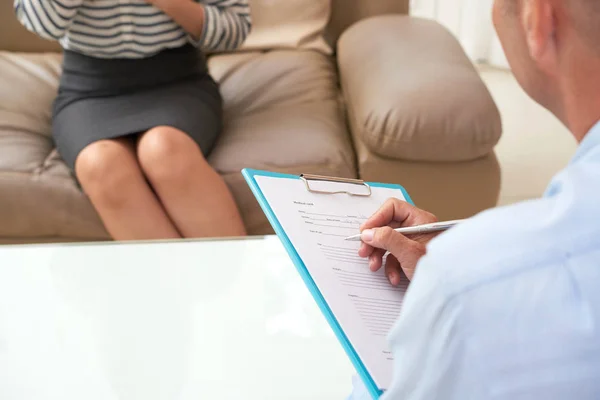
539,23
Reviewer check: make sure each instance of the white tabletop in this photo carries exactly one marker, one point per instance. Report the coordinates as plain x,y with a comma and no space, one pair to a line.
184,320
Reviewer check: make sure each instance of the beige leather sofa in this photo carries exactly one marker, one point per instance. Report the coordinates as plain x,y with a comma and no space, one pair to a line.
392,99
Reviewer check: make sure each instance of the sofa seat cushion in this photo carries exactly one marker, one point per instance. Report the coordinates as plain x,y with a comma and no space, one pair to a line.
413,94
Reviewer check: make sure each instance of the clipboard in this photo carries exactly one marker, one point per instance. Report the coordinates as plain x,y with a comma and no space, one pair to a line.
363,189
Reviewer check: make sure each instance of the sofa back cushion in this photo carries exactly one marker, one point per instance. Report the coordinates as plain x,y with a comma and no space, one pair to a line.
13,37
290,24
346,12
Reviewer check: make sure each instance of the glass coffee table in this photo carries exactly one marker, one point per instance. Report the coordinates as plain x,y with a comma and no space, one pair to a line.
163,320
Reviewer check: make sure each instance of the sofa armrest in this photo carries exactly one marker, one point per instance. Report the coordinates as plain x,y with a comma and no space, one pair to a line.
413,94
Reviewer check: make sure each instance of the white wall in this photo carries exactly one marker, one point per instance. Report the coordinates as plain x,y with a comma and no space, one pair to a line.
471,23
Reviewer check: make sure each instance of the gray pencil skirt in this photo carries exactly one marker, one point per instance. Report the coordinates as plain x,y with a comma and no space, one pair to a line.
111,98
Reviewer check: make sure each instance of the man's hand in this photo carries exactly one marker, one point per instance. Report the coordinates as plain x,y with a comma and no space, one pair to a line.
379,237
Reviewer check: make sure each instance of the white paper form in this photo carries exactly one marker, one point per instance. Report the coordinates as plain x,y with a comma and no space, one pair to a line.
364,303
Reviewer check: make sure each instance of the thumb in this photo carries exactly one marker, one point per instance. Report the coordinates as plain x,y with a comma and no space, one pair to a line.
384,238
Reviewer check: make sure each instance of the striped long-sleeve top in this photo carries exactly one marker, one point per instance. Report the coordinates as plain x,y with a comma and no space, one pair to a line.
131,28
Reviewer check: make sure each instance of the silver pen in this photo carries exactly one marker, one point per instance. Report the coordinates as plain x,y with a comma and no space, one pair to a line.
414,230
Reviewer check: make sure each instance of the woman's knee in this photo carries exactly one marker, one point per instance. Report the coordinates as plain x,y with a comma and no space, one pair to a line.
105,169
166,153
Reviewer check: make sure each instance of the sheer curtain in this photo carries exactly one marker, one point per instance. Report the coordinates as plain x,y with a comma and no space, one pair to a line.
471,23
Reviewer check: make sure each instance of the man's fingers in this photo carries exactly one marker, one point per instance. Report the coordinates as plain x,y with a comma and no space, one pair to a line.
365,250
397,213
385,238
376,259
392,210
407,252
392,270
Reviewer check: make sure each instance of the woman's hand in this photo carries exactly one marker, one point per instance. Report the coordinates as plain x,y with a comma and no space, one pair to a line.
157,3
379,237
187,13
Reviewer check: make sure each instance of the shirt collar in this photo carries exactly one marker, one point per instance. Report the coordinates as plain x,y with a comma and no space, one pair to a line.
589,142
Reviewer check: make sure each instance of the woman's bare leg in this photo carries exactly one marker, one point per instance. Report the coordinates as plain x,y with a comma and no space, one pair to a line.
111,176
194,195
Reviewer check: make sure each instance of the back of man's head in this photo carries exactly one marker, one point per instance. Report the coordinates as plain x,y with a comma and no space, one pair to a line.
585,16
553,47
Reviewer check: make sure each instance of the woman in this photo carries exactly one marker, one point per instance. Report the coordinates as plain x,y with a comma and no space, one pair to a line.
137,112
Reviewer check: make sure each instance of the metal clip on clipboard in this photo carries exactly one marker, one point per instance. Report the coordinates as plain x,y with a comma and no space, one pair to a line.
307,178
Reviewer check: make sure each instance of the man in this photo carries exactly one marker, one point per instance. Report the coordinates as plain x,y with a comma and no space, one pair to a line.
507,304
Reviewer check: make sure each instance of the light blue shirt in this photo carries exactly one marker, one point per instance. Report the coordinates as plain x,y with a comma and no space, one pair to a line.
507,305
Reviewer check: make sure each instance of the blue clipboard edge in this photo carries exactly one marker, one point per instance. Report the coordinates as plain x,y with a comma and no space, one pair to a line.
249,175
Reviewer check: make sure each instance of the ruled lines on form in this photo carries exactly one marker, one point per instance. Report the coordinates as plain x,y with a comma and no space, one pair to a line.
343,254
379,315
332,224
365,280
